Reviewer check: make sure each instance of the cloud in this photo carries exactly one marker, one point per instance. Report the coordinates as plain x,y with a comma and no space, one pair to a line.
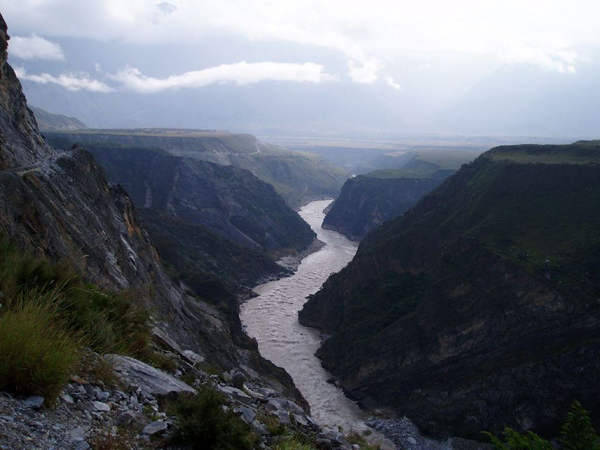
390,81
34,47
379,29
71,82
132,79
561,61
241,74
365,71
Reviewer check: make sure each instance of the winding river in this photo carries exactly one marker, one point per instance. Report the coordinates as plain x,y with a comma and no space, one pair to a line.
272,318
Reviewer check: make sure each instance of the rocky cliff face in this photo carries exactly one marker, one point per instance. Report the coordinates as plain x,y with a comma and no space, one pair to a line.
479,307
227,200
66,209
365,202
21,143
206,218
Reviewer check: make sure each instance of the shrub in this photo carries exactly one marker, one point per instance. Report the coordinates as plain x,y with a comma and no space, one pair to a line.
109,321
578,432
37,355
204,424
518,441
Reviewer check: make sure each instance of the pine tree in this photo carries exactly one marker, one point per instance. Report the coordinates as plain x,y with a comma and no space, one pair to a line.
578,432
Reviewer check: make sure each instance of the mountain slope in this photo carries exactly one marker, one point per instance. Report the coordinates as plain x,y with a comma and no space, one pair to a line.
297,177
206,218
479,307
367,201
227,200
49,121
65,209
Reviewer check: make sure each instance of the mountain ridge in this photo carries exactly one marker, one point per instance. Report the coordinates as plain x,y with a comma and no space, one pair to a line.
477,308
297,177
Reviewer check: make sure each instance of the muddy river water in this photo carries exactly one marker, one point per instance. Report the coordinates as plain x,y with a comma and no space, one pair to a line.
272,318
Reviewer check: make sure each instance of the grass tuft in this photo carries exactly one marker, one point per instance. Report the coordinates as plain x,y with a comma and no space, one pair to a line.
37,354
48,314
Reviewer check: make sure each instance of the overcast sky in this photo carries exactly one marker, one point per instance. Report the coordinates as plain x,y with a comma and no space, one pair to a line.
368,33
373,38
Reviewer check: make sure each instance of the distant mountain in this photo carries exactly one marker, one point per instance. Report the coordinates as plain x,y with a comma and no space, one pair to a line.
297,177
49,121
528,101
367,201
207,218
479,307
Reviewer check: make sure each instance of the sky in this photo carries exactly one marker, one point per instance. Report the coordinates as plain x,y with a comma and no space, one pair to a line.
421,55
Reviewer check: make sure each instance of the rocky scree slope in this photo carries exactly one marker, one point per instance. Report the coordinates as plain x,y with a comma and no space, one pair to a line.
68,211
298,177
366,201
480,307
135,411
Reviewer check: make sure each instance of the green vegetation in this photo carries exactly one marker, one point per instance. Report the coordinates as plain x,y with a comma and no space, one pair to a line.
292,444
577,433
496,239
48,314
204,425
36,355
579,153
386,174
518,441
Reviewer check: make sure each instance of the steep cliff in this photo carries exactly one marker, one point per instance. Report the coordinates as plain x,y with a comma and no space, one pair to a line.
63,207
479,308
206,218
298,177
366,201
229,201
20,141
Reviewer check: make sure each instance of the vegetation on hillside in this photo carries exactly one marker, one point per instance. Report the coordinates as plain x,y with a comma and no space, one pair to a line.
204,424
501,245
577,433
48,314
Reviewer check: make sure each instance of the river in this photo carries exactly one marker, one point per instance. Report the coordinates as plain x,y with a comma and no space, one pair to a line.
272,318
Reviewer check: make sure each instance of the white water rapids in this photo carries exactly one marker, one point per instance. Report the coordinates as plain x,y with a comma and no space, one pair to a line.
272,318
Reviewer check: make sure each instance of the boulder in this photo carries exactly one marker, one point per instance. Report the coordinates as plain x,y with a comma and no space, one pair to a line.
152,381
